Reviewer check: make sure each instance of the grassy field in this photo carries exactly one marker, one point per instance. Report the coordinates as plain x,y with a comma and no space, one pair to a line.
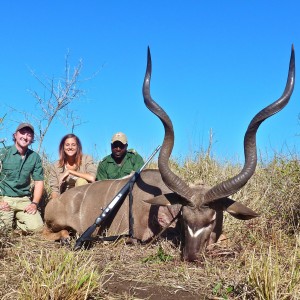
257,259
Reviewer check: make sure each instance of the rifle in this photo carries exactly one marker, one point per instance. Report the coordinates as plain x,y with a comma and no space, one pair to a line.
86,236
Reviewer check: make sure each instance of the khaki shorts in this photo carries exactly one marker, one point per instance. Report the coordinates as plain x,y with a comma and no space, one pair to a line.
24,221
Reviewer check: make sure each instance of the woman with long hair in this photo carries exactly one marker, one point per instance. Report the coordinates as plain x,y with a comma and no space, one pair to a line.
73,167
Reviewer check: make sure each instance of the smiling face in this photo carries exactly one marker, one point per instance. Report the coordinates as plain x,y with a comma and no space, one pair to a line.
23,138
70,147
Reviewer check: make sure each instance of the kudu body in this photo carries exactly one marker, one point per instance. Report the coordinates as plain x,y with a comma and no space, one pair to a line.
201,207
76,209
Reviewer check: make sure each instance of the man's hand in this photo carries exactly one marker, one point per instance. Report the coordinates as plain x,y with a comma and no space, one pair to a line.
4,206
31,208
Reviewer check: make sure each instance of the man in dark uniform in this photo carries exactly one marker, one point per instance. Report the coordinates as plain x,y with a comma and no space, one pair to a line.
120,162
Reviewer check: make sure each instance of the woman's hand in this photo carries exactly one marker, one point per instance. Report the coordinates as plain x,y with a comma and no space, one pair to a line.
64,177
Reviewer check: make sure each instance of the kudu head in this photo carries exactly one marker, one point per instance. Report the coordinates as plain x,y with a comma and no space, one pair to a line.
202,208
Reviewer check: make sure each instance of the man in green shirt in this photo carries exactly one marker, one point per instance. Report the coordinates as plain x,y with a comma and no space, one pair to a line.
18,165
120,162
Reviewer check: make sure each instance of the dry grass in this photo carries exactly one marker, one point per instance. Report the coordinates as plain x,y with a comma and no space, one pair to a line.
268,273
260,258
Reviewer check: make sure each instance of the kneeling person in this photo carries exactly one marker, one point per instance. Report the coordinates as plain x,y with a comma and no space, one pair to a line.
18,165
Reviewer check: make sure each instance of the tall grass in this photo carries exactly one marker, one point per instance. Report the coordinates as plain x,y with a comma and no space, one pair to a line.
274,275
59,274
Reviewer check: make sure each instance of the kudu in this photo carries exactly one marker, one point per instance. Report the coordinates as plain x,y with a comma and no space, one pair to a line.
201,207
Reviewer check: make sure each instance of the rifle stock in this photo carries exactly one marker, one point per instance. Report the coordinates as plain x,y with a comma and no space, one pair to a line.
86,236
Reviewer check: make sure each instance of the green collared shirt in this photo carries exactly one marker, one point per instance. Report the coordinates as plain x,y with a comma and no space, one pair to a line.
109,169
16,172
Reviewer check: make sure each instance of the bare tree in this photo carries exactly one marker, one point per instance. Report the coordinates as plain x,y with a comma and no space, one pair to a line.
53,103
1,121
1,140
58,94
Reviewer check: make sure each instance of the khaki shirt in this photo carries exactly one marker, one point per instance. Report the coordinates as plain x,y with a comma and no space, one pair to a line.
87,166
16,172
109,169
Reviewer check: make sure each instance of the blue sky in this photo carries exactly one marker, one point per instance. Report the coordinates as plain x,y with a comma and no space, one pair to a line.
215,65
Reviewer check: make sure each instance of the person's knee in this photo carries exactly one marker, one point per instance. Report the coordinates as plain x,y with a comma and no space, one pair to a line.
36,226
81,181
31,225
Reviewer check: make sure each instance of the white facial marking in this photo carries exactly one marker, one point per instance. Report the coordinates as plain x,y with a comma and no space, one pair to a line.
194,235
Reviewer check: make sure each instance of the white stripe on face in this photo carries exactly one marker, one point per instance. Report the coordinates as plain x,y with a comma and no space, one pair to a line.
199,231
194,235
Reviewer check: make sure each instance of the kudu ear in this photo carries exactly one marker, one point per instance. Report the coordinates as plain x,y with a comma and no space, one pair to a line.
236,209
167,199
